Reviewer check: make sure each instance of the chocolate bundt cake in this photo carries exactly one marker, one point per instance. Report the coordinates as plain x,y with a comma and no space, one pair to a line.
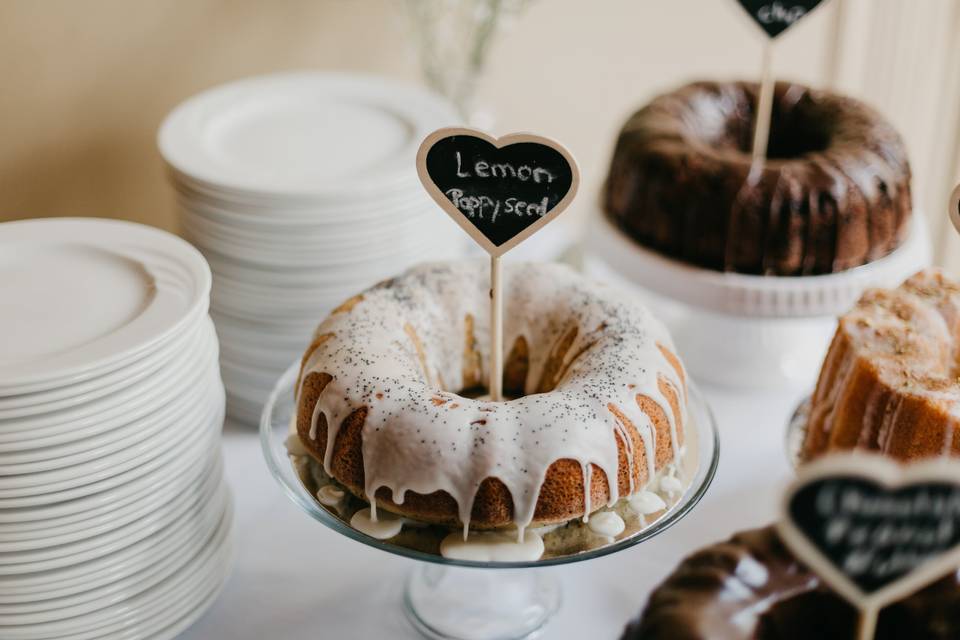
752,588
599,404
889,382
834,192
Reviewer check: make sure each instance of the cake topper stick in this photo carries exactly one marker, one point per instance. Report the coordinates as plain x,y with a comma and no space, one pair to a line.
761,131
874,530
774,17
500,191
954,209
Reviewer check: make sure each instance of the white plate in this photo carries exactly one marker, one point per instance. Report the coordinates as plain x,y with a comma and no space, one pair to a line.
124,524
195,411
63,448
102,503
137,286
306,133
155,465
329,254
88,523
97,598
88,419
188,505
99,474
182,535
196,579
272,220
187,406
98,386
139,374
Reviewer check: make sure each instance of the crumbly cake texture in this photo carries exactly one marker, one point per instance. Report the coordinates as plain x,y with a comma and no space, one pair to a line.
834,192
889,382
601,406
752,588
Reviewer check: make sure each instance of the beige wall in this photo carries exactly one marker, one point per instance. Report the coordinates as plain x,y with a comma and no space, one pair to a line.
87,83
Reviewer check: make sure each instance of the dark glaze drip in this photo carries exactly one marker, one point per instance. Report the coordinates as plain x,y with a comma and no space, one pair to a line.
752,588
833,194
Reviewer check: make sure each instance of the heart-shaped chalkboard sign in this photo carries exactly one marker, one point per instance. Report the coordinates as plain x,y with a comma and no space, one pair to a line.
874,530
499,190
955,208
776,16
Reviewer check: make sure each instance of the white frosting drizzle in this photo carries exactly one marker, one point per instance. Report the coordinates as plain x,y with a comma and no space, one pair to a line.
417,437
607,523
646,503
383,527
493,546
330,495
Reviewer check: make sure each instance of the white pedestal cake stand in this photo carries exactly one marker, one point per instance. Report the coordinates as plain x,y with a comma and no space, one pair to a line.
467,600
768,331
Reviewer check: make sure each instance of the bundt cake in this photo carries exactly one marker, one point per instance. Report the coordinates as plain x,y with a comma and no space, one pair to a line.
387,397
834,192
889,382
752,588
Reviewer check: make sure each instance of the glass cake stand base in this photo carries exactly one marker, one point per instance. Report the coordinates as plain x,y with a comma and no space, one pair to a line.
452,603
454,599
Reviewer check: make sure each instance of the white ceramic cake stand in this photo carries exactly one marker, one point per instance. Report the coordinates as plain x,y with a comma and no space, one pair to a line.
467,600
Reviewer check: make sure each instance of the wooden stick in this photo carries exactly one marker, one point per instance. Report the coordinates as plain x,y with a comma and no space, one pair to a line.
496,330
761,133
868,623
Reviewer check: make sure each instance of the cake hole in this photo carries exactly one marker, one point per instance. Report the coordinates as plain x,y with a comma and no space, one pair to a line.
798,125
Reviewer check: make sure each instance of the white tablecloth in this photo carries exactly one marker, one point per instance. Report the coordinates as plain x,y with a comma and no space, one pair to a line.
294,579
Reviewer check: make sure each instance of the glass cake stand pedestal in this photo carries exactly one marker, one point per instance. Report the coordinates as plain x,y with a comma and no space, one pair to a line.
469,600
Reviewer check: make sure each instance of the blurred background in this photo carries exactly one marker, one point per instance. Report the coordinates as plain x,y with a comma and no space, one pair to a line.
86,84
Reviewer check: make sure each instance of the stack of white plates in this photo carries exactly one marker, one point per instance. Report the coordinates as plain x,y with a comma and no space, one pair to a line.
301,190
114,516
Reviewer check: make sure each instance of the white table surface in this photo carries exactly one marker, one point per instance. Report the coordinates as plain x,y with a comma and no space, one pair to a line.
294,579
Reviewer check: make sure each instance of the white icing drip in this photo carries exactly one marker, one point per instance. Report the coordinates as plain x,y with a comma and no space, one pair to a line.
423,439
627,441
493,546
330,495
646,503
607,523
382,528
587,478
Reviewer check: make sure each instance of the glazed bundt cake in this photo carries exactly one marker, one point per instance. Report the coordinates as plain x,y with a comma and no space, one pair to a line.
889,382
387,397
752,588
834,192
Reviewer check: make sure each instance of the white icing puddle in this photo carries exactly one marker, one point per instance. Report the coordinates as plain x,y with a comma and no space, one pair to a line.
384,527
330,496
607,523
492,546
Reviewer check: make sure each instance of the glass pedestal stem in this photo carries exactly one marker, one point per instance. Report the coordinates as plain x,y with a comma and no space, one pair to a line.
453,603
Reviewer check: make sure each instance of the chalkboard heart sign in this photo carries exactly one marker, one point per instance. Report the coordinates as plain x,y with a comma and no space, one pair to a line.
875,531
955,208
776,16
499,190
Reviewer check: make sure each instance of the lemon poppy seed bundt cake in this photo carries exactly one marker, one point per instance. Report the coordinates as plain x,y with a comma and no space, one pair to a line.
889,382
384,398
834,192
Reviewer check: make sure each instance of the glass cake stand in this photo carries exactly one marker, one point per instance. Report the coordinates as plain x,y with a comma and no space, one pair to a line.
797,431
469,600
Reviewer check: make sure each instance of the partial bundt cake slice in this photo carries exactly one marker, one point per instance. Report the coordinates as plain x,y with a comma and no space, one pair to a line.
890,379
